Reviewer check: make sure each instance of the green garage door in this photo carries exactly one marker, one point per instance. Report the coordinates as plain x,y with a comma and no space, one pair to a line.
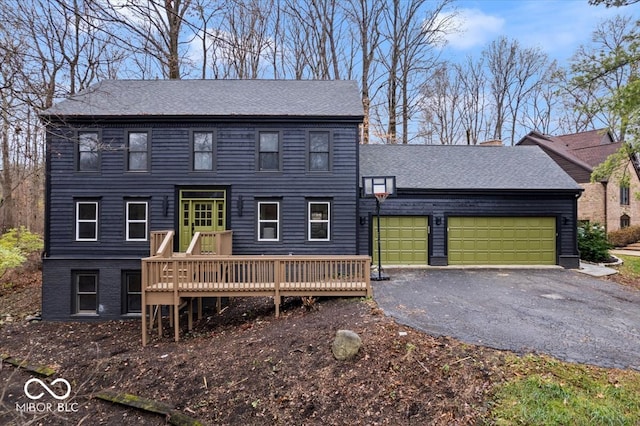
403,240
502,240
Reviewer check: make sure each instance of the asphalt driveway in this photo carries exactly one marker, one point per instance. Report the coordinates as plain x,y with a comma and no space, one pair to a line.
563,313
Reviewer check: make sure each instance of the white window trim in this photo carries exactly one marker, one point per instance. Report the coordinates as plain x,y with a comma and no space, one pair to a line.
79,221
145,221
79,294
311,221
277,221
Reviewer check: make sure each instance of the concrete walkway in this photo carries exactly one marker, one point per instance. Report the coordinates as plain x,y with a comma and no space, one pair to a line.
625,252
569,315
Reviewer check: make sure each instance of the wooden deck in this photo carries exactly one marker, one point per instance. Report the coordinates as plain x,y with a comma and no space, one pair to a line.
173,278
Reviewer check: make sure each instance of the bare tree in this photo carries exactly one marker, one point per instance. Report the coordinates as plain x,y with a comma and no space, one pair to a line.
442,96
246,36
49,49
544,104
152,28
411,33
365,16
513,73
501,57
529,76
203,12
6,178
316,27
473,103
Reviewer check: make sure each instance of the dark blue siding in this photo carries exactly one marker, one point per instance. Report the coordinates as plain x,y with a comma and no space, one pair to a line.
171,171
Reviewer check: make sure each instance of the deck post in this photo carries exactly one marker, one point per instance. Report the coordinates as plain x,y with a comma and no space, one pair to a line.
367,277
143,284
176,302
159,320
277,277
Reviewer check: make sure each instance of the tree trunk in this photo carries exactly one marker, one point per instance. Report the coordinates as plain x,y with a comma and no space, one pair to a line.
6,202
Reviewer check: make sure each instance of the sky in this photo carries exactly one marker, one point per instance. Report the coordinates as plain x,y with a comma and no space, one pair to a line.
558,27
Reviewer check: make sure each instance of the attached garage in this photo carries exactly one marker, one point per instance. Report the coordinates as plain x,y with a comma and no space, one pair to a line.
469,205
501,240
404,240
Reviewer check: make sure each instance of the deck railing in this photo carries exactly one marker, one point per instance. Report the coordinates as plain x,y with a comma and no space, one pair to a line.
167,280
218,242
161,243
202,243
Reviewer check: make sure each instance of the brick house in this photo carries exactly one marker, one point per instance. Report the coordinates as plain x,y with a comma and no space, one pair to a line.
605,202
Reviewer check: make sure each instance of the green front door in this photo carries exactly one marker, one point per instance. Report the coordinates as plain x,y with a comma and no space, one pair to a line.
403,240
200,211
501,240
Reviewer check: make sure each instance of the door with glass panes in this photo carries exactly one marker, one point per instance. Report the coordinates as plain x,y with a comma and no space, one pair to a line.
200,211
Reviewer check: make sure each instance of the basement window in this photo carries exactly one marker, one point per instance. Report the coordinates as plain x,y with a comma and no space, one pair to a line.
85,288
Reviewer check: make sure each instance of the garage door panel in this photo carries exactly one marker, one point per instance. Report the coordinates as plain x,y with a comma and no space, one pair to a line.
501,240
404,240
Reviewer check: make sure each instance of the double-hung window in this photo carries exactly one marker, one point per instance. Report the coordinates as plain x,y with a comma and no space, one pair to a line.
319,151
624,195
319,221
203,147
85,289
137,220
138,151
268,221
88,151
269,151
86,221
132,292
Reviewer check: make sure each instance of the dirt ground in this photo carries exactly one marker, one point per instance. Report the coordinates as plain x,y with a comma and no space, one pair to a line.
244,366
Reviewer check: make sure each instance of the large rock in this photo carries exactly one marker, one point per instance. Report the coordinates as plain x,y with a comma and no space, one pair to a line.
346,344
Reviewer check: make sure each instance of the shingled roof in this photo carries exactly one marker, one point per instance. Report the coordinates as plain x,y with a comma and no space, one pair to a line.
577,153
462,167
214,98
592,147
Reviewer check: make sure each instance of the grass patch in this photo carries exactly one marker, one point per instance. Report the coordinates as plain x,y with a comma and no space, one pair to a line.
550,392
631,266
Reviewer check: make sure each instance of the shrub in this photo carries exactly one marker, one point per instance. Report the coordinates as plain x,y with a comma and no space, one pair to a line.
22,239
592,243
625,236
16,245
10,258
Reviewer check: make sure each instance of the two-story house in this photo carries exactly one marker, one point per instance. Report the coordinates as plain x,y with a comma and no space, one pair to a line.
274,161
279,164
610,202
